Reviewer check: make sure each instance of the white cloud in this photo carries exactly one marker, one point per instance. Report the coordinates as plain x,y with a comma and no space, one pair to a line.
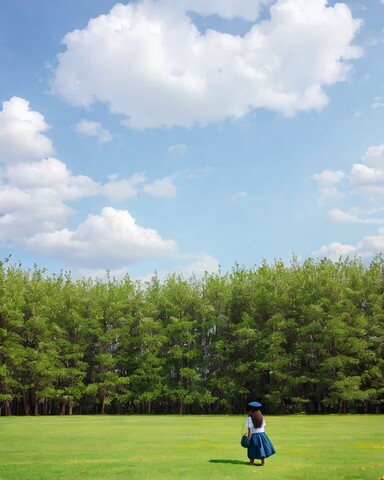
179,149
90,128
21,133
203,263
44,174
105,241
33,196
362,175
335,250
25,212
354,216
327,180
163,187
329,194
368,247
201,172
366,184
377,105
122,189
51,174
148,61
34,210
371,244
374,156
368,177
329,177
119,190
365,179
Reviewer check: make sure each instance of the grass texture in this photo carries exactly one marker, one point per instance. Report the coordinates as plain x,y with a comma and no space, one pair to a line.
347,447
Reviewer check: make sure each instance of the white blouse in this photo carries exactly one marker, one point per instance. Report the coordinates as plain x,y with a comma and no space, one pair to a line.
249,424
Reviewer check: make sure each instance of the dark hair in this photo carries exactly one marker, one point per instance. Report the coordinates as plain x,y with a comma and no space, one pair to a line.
257,418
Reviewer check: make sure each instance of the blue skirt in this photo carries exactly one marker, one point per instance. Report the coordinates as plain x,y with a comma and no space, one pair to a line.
260,446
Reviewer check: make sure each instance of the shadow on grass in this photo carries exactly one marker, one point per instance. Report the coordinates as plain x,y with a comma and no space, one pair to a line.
232,462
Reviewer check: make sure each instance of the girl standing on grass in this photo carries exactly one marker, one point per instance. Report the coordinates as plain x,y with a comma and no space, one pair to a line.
259,445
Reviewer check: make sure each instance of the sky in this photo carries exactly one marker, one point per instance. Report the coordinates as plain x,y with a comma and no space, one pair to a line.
184,136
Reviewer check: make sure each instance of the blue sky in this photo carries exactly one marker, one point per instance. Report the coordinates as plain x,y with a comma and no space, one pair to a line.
180,136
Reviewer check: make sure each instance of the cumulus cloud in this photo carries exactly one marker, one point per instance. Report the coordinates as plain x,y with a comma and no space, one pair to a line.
335,250
365,179
148,61
33,198
371,244
179,149
329,177
362,175
378,103
368,177
366,186
35,194
354,216
367,248
163,187
122,189
23,212
374,156
21,133
90,128
198,267
328,190
119,190
105,241
51,174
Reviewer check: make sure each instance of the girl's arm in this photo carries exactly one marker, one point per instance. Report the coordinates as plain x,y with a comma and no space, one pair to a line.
249,433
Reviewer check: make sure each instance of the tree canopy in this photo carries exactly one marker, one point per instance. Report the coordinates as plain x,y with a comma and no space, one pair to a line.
304,337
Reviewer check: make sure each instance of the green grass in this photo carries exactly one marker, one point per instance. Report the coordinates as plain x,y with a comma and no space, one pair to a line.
349,447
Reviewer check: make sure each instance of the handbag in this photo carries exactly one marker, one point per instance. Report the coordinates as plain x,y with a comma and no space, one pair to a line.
244,441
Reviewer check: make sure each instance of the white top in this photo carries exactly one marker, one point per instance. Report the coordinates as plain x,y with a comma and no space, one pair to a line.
249,424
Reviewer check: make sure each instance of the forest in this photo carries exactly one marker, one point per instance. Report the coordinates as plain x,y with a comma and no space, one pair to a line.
300,337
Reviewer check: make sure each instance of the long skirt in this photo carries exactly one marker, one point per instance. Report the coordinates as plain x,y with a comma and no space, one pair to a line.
260,446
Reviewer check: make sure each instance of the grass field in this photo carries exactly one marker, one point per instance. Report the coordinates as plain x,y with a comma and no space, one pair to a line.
204,447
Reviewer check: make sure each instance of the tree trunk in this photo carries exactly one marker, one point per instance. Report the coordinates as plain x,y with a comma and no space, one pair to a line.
36,413
27,406
8,410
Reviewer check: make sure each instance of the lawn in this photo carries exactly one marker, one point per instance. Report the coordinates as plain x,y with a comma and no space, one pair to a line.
349,447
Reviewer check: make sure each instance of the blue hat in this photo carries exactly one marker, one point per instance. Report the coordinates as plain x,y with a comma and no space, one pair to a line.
255,404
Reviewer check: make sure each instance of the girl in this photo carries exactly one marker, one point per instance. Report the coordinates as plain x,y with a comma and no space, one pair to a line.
259,445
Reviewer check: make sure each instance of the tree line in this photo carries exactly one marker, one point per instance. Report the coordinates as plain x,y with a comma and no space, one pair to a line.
304,337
